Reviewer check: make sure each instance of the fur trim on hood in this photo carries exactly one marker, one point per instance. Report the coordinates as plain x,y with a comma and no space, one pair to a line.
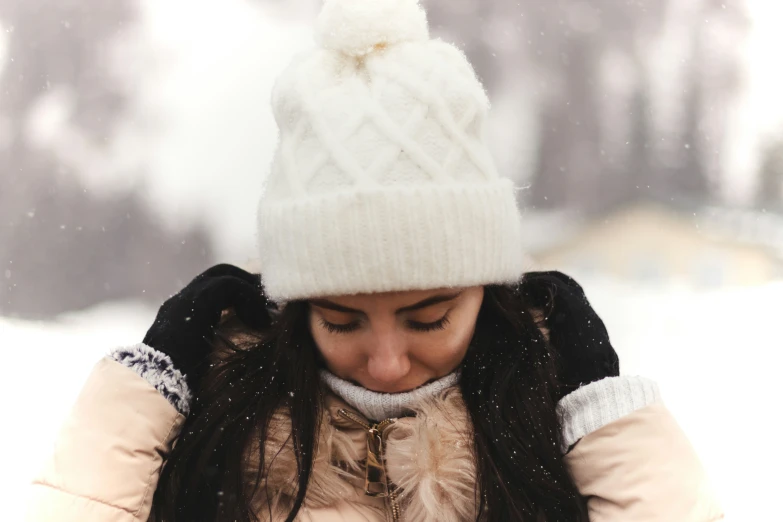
429,457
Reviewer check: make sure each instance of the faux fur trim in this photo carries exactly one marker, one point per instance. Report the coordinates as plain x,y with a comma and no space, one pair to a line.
158,370
429,457
328,481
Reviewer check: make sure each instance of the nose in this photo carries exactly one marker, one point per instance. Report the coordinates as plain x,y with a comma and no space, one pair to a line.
388,360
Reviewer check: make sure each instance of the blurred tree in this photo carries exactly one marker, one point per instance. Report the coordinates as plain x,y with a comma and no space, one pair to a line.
468,24
569,154
61,248
712,80
565,45
769,194
687,180
635,181
573,38
721,30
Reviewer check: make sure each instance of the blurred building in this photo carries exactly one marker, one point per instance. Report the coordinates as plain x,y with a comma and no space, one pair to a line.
656,243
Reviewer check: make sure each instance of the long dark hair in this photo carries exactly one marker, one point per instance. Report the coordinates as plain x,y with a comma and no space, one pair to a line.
508,382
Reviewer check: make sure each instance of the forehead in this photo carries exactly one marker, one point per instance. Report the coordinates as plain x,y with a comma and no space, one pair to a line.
389,300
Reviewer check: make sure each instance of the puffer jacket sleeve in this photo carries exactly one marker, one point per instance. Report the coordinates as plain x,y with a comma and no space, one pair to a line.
109,453
631,459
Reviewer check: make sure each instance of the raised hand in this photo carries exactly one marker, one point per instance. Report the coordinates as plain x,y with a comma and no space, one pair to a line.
184,328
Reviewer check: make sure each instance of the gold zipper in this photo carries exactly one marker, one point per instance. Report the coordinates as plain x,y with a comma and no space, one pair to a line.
376,483
395,506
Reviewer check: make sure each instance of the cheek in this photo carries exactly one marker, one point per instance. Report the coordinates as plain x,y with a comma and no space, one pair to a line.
444,351
340,352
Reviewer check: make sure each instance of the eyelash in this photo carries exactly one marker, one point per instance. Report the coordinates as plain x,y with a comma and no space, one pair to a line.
440,324
338,328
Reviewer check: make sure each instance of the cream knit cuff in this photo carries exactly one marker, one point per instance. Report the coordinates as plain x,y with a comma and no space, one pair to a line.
599,403
157,369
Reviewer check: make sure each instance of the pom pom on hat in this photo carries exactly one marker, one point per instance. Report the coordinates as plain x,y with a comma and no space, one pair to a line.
358,27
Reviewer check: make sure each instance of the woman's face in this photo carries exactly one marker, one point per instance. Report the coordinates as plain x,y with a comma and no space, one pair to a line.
397,341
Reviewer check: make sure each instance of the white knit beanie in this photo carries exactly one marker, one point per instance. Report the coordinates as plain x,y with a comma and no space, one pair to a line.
382,180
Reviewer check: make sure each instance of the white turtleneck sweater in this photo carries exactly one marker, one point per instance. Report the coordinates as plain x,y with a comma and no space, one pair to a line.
378,406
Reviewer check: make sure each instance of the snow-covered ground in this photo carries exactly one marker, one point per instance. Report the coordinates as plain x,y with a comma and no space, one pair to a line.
44,367
715,355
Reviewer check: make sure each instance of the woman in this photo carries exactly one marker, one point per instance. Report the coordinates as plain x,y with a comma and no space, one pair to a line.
396,363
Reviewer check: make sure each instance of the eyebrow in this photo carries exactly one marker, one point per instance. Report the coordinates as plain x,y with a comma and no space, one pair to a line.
424,303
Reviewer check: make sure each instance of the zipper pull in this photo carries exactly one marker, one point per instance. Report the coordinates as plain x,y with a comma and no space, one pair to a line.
375,484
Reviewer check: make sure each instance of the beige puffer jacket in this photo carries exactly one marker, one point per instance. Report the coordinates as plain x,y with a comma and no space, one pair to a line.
106,463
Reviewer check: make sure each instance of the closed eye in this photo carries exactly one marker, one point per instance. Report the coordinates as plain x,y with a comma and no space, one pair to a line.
339,328
440,324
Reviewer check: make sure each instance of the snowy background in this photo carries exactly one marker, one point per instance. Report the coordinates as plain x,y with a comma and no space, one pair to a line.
135,134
